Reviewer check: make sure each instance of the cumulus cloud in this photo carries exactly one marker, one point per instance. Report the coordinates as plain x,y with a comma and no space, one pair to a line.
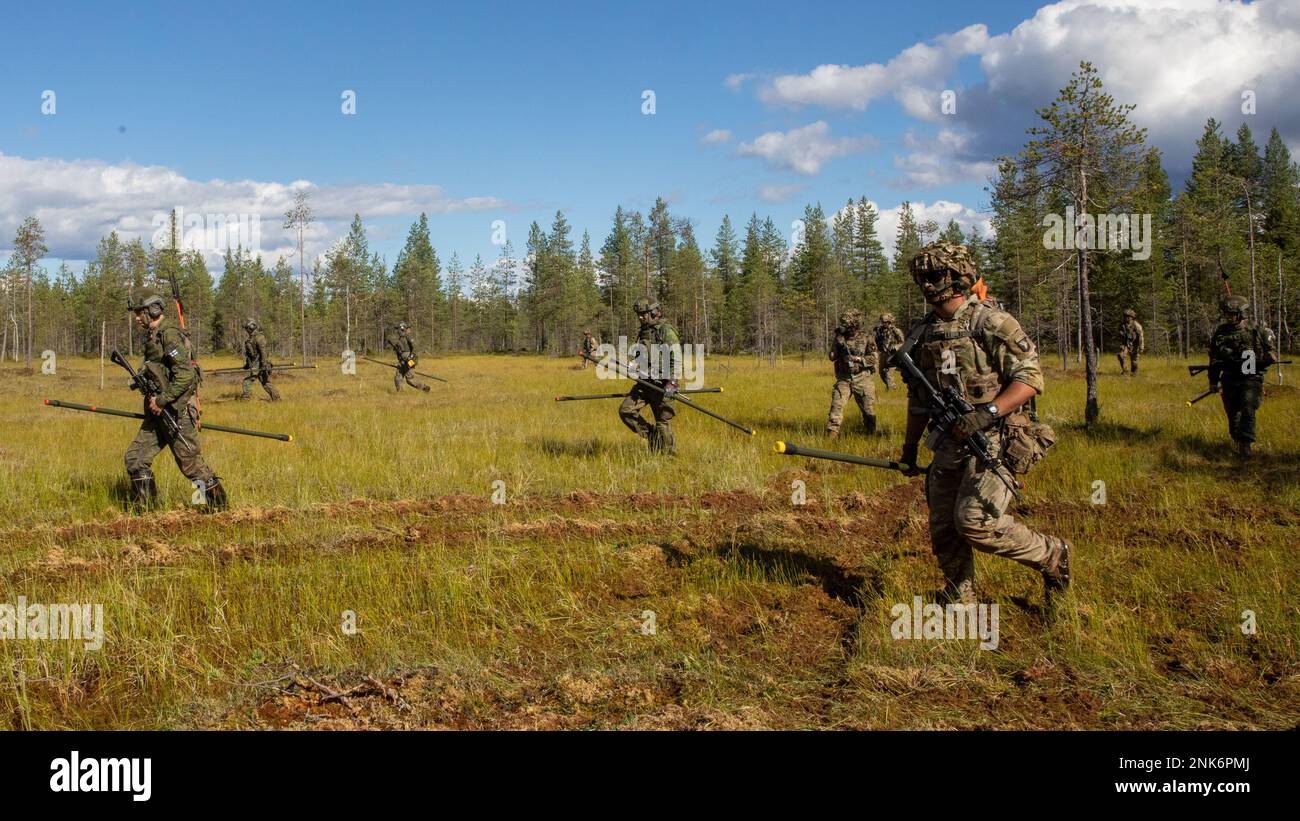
940,160
1179,61
779,193
940,211
805,149
716,137
913,77
80,201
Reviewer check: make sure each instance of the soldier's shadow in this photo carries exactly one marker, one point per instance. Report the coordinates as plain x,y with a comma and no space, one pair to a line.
580,448
1218,457
119,491
1110,431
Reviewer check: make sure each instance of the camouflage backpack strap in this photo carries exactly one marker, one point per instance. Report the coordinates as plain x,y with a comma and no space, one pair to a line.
917,332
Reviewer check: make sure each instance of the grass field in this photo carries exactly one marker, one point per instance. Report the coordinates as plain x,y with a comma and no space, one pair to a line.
536,613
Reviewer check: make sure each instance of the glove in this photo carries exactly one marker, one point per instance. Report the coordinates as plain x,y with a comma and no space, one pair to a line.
972,422
909,458
670,390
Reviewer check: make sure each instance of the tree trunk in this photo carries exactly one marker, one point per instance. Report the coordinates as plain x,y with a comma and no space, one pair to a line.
1091,410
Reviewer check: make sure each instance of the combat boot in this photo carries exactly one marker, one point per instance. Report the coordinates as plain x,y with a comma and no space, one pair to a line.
144,491
870,424
962,592
1057,580
215,494
1243,450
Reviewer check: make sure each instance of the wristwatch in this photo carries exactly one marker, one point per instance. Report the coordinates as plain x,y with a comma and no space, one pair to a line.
992,409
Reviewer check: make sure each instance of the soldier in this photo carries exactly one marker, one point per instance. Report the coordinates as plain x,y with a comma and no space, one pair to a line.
403,344
168,357
589,346
1132,343
981,351
664,348
1240,353
257,362
889,338
854,355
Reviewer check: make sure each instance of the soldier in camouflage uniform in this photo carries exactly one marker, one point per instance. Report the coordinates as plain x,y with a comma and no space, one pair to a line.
1132,343
589,346
257,362
168,357
664,349
403,344
854,354
982,351
889,338
1240,353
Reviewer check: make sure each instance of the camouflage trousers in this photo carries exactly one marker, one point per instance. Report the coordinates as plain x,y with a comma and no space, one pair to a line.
887,376
1132,365
863,391
153,437
400,375
1241,398
968,512
265,378
660,435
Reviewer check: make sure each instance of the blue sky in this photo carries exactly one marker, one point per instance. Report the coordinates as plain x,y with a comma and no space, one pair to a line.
511,111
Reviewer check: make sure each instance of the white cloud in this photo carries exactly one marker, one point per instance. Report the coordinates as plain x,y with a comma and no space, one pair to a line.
779,193
941,211
913,77
716,137
940,160
80,201
1179,61
735,81
804,149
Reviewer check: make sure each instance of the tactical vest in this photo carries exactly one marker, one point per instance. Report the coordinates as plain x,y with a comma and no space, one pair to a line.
159,357
255,350
935,341
860,345
660,337
1230,342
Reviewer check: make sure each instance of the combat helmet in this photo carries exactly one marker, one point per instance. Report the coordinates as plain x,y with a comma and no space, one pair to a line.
1130,313
851,319
1233,304
887,319
943,269
145,299
645,305
250,325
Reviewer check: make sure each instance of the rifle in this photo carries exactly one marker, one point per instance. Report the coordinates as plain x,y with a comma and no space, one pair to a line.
147,384
55,403
622,395
1193,370
409,367
791,449
1196,399
645,383
946,407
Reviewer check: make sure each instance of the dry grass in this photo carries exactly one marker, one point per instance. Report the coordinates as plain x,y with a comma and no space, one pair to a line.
531,613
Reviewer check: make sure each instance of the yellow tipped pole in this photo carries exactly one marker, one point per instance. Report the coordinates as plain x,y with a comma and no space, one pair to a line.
203,426
626,371
791,449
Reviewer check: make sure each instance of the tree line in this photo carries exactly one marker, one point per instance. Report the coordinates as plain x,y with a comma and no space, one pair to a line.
757,289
